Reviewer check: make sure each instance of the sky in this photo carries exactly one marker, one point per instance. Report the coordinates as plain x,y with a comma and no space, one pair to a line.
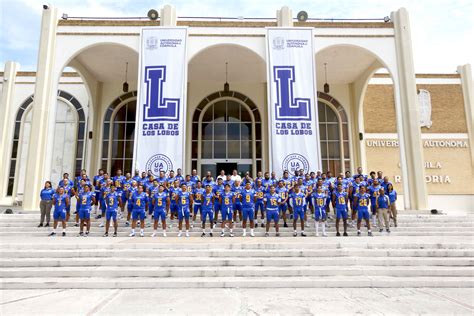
442,30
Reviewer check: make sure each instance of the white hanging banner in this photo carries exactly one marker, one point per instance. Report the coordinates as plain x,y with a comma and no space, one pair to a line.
161,101
293,115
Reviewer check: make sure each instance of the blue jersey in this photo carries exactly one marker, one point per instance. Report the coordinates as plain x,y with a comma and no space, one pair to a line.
131,191
190,186
341,200
248,198
85,199
207,199
66,183
206,182
383,201
60,201
362,201
97,180
111,200
226,198
272,201
298,200
174,191
217,190
139,200
374,193
282,192
160,200
184,198
194,179
319,199
237,193
47,194
392,196
126,184
260,193
118,182
266,184
198,193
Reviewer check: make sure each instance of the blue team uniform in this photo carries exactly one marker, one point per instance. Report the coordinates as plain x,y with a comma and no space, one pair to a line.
97,180
207,205
197,200
139,201
237,192
173,194
248,204
260,193
85,200
184,201
374,194
363,206
272,202
131,191
159,212
298,201
319,202
60,207
112,202
282,192
226,205
341,204
217,190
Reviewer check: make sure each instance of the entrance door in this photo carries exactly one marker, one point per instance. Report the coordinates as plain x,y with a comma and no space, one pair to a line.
227,167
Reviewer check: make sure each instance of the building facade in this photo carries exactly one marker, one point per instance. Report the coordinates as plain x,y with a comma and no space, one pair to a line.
73,112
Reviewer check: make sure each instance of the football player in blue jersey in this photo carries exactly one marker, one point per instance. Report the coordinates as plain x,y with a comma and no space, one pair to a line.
179,176
217,190
184,200
282,191
361,202
133,188
259,205
340,199
96,182
374,191
113,200
227,200
60,201
237,189
207,210
173,192
298,201
161,204
272,201
198,193
319,201
248,198
353,191
139,203
87,200
194,176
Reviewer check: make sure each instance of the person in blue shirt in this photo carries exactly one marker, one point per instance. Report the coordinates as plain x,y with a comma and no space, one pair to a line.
361,204
217,190
46,196
60,202
96,181
282,191
272,202
248,198
184,200
227,200
194,176
237,189
383,205
198,193
298,201
173,192
86,199
65,181
340,200
139,203
374,191
113,200
259,205
207,202
392,195
319,201
133,188
126,184
161,205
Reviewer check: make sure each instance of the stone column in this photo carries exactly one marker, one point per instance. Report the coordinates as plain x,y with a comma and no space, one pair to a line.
44,101
408,122
467,90
6,123
168,16
284,17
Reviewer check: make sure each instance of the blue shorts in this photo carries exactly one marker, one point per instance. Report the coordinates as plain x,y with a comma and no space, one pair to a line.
130,206
59,214
320,214
68,208
227,213
341,213
183,212
259,206
103,206
97,195
283,207
111,214
138,214
84,213
363,214
272,215
207,213
124,196
197,208
298,213
217,207
159,214
248,214
174,208
238,206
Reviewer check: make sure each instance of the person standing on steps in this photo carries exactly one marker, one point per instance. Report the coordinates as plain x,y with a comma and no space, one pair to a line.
383,204
361,204
60,202
339,201
46,203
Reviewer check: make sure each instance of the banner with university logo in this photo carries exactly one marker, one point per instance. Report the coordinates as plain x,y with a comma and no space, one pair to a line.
160,122
293,115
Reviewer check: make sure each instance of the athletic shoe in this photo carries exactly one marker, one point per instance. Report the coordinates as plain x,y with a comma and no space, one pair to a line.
345,234
317,234
105,235
210,234
231,235
76,225
285,224
64,234
244,233
164,234
47,225
380,230
222,234
81,234
203,235
101,225
338,234
142,234
87,234
277,234
325,235
358,233
131,235
263,225
295,234
52,234
138,223
388,230
153,235
303,235
115,234
40,225
267,234
370,234
99,216
127,224
179,234
252,235
187,234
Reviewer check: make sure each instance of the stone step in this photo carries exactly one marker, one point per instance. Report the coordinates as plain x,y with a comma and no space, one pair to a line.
247,253
241,271
237,261
236,282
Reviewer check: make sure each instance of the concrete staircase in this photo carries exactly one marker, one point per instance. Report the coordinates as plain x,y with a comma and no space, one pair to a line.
424,251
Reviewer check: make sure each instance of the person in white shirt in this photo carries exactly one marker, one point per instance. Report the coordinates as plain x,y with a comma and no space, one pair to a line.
222,176
235,176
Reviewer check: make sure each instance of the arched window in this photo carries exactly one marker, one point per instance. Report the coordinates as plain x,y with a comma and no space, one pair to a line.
226,134
68,143
119,133
334,135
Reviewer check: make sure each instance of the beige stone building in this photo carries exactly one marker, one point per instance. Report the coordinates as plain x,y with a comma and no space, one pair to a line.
73,113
